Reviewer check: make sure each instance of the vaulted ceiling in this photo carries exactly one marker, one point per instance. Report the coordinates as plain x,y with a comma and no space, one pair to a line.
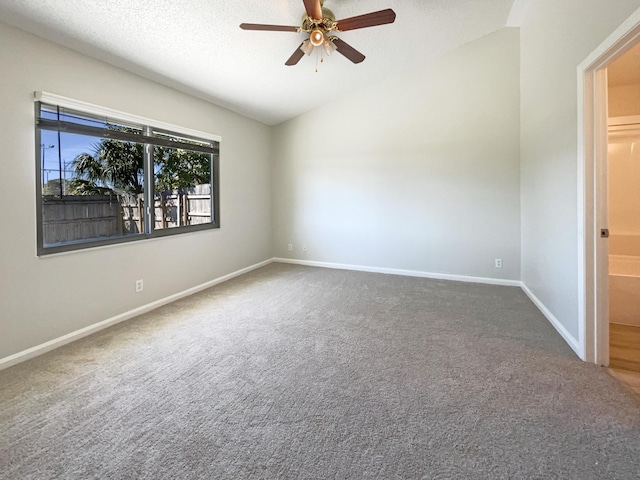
196,46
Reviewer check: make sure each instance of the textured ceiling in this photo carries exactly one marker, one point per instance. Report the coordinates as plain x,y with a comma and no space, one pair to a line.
196,45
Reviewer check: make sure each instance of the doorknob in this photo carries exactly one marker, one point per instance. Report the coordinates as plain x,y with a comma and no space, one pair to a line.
604,233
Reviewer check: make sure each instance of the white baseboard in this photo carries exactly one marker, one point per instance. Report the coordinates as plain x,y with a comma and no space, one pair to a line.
564,333
406,273
83,332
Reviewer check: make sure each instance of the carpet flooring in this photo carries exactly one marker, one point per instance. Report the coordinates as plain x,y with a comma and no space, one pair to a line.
297,372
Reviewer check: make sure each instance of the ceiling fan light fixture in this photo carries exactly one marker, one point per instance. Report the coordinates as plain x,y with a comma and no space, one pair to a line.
319,23
316,37
329,47
306,47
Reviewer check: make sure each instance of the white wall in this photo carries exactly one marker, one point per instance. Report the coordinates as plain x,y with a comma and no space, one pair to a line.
623,189
624,100
419,172
623,175
555,38
44,298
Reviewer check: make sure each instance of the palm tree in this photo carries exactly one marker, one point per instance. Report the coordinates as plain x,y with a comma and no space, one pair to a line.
116,167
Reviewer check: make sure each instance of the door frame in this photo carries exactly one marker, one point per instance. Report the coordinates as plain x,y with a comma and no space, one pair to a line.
593,292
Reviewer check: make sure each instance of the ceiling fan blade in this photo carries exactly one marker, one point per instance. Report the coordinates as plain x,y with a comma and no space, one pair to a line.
367,20
270,28
347,50
295,58
313,8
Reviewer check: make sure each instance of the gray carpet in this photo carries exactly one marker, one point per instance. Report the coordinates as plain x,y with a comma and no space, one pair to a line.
295,372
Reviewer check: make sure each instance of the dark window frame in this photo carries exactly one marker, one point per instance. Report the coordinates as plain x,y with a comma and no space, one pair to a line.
149,128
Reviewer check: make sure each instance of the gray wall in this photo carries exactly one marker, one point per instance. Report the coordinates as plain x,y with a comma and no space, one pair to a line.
555,38
44,298
419,172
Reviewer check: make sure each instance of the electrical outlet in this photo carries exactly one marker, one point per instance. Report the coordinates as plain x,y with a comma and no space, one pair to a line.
498,263
139,286
290,247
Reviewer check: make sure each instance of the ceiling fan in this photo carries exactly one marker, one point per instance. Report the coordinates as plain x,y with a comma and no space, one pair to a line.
319,22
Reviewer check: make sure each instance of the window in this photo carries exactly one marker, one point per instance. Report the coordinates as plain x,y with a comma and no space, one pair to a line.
106,177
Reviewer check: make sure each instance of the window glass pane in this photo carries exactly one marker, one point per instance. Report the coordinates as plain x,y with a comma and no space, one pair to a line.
92,188
182,187
51,112
179,138
93,174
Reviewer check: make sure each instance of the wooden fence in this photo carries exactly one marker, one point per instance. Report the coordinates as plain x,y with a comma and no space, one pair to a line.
171,209
82,217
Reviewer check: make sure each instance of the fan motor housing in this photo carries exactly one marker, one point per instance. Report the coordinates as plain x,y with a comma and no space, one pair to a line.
326,15
327,23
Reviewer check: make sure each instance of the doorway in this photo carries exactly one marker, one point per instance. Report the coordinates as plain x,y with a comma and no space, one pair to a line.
623,213
593,145
623,210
